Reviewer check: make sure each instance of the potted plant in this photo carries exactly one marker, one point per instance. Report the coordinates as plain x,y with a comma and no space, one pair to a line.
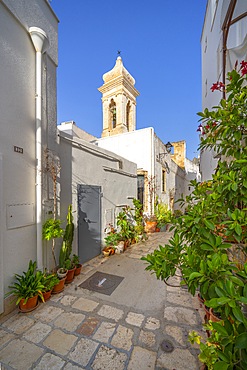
150,223
59,287
65,260
112,239
52,227
139,229
50,231
49,281
62,272
27,288
126,228
78,265
216,213
163,215
70,266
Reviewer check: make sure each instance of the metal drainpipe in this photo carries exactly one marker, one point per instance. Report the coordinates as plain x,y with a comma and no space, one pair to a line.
152,166
40,42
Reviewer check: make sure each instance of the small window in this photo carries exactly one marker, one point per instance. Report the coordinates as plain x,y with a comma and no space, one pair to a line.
128,116
163,185
113,113
140,188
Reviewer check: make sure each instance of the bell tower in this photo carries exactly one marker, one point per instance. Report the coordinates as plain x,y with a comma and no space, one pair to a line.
118,101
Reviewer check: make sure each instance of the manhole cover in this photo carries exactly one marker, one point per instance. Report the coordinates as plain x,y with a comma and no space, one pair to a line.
167,346
102,283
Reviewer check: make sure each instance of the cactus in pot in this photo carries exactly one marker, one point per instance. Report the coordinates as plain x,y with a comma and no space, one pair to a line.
68,236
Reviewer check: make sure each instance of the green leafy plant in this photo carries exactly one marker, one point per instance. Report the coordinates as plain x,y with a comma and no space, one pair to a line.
163,214
76,260
52,227
112,239
209,247
69,264
49,281
50,231
66,249
126,226
139,221
28,285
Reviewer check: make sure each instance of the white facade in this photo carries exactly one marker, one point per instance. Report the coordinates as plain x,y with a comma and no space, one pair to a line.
224,29
160,175
84,163
18,123
150,154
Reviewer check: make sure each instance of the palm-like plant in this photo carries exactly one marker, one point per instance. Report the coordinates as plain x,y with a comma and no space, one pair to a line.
28,285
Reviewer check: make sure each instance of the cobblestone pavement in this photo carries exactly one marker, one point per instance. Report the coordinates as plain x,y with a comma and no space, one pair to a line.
80,329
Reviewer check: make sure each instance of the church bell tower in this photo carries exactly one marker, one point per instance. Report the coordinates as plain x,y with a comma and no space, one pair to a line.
118,101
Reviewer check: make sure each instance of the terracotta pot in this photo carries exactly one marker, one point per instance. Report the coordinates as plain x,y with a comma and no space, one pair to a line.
107,251
150,226
78,269
30,305
213,317
207,314
59,287
47,295
70,276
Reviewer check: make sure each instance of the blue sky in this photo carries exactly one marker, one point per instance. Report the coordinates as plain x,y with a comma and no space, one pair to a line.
160,46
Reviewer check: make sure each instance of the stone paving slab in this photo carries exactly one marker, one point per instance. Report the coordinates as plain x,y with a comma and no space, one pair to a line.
79,329
109,359
83,351
60,342
20,354
123,338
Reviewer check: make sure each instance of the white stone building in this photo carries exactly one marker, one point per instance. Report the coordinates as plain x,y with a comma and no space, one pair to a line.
28,54
168,173
223,42
28,103
97,183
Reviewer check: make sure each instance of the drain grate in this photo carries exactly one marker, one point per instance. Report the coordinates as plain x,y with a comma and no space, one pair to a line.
167,346
102,283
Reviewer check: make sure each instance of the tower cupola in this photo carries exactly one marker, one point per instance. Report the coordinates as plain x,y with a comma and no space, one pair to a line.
118,100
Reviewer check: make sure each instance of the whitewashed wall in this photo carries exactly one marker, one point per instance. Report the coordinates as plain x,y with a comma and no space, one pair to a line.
17,125
143,147
136,146
85,163
212,50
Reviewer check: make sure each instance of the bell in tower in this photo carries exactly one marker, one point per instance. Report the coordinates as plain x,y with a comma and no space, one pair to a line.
118,100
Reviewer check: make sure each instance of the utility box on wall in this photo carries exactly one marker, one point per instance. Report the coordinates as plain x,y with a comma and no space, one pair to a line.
20,215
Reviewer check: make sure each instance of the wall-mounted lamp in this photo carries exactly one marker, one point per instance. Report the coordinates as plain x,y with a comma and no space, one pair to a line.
168,146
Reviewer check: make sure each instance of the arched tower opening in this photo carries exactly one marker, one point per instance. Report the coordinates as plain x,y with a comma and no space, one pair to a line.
118,100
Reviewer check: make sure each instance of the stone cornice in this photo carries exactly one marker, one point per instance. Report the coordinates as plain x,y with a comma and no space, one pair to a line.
118,83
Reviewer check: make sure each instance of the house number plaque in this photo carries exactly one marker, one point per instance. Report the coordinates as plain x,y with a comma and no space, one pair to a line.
17,149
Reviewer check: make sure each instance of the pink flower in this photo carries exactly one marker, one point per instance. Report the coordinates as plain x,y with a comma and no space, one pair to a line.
243,67
217,86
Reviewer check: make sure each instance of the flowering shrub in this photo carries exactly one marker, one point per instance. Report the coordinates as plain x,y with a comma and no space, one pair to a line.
209,246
